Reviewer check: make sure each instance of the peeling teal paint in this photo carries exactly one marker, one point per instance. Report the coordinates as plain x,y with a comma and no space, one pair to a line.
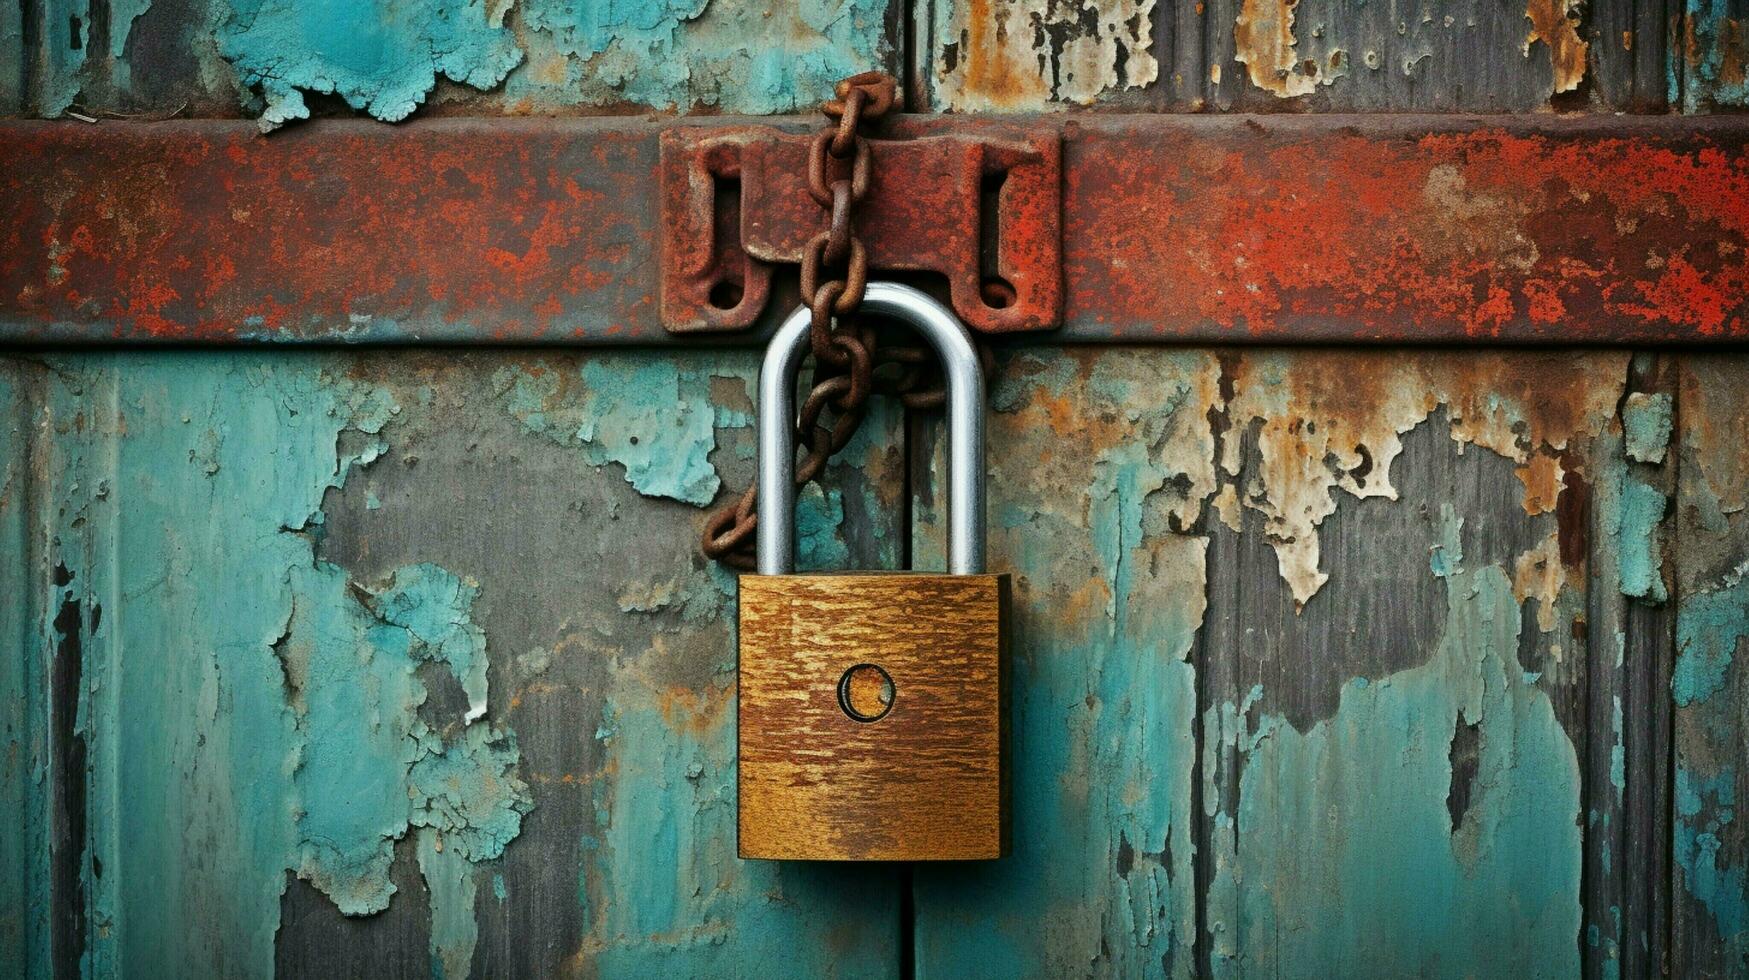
11,59
733,55
1502,887
1705,806
449,880
671,805
25,902
1107,605
1634,531
1706,69
653,417
274,726
61,55
1646,420
435,606
1710,628
380,58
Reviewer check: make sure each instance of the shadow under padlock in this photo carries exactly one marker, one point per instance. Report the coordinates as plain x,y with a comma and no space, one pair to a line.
871,704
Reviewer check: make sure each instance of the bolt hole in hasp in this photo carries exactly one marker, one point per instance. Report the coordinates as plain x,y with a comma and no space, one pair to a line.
726,295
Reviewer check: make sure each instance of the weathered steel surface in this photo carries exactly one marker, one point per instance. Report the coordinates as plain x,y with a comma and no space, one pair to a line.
1410,229
1399,769
308,705
736,201
1710,683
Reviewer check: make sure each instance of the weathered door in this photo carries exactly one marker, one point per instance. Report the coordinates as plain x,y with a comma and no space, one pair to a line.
354,620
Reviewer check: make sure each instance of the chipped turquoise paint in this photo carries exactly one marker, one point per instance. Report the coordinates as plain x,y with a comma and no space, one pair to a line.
24,672
1646,420
1707,68
732,55
435,606
383,58
449,880
1709,629
247,715
1634,529
1497,895
672,807
1705,807
11,59
653,416
61,53
1103,698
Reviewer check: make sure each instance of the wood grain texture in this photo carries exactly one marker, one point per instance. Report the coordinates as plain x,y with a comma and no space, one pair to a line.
923,783
1306,56
1710,681
279,589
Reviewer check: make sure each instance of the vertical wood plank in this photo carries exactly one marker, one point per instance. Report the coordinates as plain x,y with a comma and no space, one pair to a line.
1710,685
1099,463
1391,768
26,893
1631,640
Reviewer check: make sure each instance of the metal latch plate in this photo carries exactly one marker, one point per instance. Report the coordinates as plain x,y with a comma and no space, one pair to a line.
983,210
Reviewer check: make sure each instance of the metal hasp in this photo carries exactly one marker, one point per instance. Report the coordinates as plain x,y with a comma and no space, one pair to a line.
982,208
964,378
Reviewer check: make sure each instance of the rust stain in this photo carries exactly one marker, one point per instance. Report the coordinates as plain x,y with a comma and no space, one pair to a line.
1540,574
1541,476
1334,420
1024,54
1556,24
1264,42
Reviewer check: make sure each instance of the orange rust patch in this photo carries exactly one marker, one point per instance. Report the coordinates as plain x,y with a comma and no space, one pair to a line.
1264,42
1556,24
1541,476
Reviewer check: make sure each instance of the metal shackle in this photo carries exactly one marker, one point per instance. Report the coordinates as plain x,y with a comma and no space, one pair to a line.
964,376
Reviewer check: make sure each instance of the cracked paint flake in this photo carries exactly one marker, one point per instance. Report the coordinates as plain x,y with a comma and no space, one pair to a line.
1278,859
381,59
1646,422
435,606
1634,527
282,724
1706,806
1712,625
1021,54
733,55
654,418
1555,23
1334,420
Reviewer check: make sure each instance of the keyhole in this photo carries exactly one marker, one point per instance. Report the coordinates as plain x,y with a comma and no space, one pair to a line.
865,692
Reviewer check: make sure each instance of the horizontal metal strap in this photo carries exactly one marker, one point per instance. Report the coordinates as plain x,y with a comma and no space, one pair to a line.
1225,229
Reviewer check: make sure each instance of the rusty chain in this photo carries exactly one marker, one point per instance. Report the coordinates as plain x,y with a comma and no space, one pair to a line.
849,362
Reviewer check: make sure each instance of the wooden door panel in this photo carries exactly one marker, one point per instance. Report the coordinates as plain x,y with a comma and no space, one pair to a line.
423,639
1308,657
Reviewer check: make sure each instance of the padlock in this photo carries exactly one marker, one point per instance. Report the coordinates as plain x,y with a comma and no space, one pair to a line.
871,722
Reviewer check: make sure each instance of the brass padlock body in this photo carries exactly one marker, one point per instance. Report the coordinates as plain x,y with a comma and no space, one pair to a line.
923,781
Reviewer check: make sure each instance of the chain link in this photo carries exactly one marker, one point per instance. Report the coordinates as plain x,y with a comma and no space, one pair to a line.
849,362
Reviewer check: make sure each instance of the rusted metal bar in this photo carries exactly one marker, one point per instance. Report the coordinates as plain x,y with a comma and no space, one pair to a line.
1401,229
